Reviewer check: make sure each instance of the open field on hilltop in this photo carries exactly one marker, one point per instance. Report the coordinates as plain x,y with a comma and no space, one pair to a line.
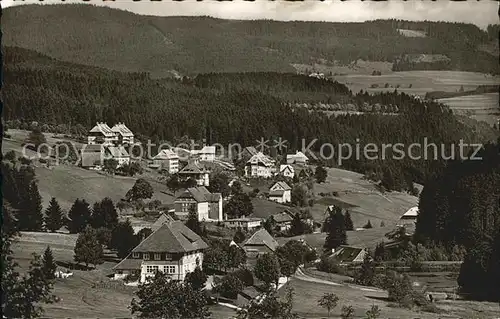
361,299
421,81
482,107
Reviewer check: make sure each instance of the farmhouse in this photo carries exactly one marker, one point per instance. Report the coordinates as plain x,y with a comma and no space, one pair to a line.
282,221
287,171
101,133
118,153
259,165
246,223
280,192
349,254
166,160
208,206
261,242
196,171
123,133
409,219
207,153
173,249
297,158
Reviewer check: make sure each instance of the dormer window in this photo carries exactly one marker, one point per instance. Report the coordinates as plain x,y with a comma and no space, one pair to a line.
146,256
157,256
136,255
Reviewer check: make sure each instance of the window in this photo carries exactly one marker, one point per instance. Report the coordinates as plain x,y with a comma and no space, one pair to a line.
157,256
151,269
169,269
136,255
146,256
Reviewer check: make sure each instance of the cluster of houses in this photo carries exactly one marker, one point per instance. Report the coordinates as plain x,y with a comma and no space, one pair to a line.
107,142
261,165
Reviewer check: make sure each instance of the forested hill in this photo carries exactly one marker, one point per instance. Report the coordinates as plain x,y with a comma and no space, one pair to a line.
70,98
125,41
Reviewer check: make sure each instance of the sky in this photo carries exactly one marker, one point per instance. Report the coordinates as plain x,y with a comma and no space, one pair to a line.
481,12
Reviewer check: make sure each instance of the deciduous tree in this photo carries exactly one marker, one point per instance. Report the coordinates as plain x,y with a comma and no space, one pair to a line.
162,297
123,239
328,301
320,174
88,249
267,269
142,189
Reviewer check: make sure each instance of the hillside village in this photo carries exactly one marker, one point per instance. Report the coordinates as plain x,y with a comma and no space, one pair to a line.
196,173
211,226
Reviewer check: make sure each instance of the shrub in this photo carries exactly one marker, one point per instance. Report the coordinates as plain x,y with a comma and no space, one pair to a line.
330,265
245,276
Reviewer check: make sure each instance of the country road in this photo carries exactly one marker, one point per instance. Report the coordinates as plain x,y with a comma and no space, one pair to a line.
300,275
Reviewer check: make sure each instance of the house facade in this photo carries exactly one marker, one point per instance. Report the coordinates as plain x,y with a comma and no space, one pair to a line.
118,153
287,171
101,133
282,221
207,153
166,160
280,192
260,165
123,133
196,171
173,249
246,223
261,242
208,206
298,158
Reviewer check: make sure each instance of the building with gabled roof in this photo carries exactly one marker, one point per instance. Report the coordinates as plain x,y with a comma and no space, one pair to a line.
409,220
248,152
196,171
280,192
163,219
125,135
287,170
282,221
173,249
166,160
101,133
261,242
118,153
297,158
260,165
349,254
207,153
208,206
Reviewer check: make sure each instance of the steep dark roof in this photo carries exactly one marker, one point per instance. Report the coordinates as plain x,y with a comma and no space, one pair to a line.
282,217
262,237
172,237
347,253
193,168
164,218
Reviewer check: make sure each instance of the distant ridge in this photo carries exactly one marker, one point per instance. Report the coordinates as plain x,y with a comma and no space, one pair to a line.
162,46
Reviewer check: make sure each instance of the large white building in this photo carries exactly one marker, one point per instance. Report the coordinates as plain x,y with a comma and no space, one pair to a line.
173,249
208,206
260,165
167,160
124,134
101,133
280,192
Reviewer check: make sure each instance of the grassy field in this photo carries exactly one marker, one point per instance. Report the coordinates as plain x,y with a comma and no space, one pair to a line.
307,295
68,182
481,107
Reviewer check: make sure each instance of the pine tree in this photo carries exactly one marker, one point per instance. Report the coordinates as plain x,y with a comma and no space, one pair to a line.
192,222
78,216
349,225
123,239
30,214
53,216
335,227
88,249
368,225
104,214
49,266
